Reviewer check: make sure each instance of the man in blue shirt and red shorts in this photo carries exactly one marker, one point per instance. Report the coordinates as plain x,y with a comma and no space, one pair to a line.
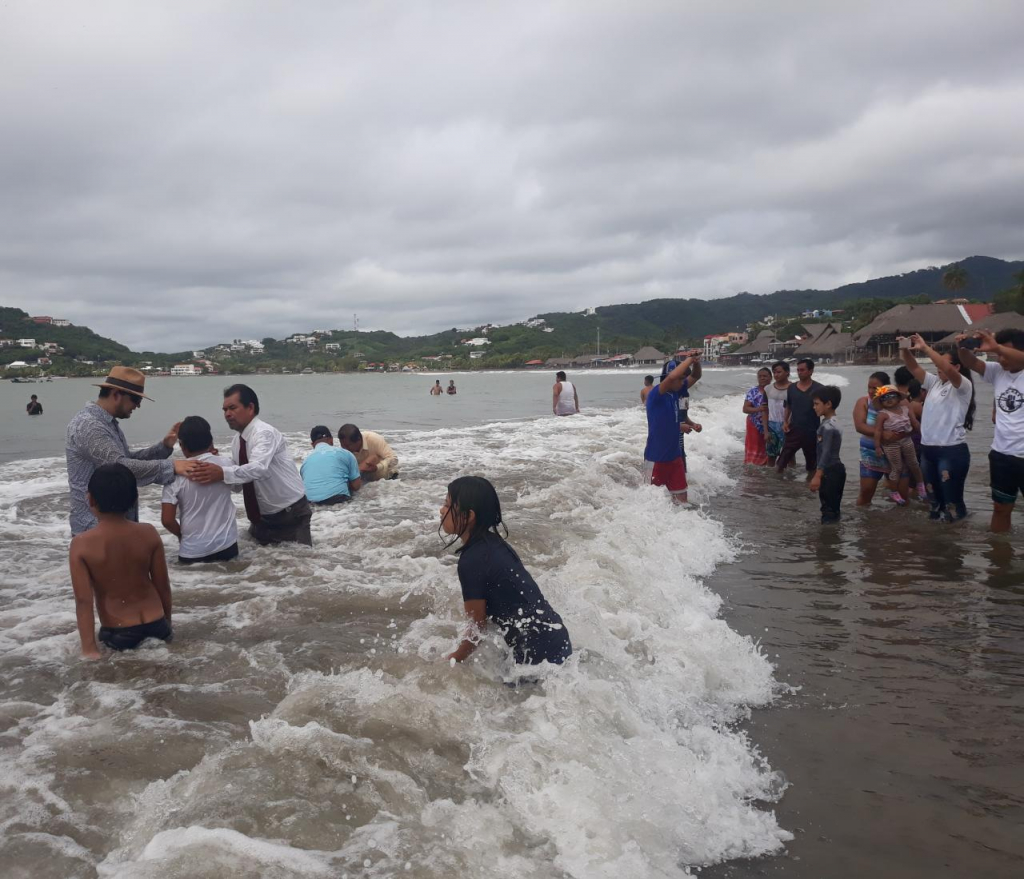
663,460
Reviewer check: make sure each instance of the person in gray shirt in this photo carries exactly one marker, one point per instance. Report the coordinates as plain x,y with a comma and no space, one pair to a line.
829,478
95,438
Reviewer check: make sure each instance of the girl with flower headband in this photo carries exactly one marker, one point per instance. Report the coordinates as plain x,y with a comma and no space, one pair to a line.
896,417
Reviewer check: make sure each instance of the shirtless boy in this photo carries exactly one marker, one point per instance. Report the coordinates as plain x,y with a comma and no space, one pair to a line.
120,565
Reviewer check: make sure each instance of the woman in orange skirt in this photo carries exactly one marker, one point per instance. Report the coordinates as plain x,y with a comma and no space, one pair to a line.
755,407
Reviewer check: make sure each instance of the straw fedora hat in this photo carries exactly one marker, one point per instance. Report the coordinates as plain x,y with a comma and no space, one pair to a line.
126,380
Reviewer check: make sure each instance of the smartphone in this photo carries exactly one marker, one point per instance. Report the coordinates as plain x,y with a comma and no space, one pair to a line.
904,342
970,344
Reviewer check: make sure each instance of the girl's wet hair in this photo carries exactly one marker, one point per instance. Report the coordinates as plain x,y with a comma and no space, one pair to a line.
473,494
880,376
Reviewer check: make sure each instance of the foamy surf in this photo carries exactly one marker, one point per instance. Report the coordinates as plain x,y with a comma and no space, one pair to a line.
304,723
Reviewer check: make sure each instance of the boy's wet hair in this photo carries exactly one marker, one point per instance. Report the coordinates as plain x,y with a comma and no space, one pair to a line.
828,394
903,376
113,488
781,363
195,434
648,379
913,388
474,494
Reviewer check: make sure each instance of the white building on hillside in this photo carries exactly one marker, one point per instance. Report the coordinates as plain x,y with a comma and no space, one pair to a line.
26,343
186,369
477,342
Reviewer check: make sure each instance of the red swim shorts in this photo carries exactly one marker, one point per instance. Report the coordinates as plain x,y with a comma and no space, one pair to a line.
671,474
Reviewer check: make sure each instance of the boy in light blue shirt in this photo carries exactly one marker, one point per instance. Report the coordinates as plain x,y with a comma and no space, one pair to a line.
330,474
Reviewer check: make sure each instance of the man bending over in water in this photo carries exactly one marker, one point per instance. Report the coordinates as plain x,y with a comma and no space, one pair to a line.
120,564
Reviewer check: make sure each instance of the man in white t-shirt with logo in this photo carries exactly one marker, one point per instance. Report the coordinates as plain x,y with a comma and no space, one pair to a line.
1006,374
202,517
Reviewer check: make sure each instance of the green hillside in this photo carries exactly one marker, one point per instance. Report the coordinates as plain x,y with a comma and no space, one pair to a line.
663,323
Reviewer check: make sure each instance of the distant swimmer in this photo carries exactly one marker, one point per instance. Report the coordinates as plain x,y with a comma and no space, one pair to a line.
377,460
202,517
451,387
118,566
646,389
34,407
496,587
564,399
331,475
94,438
436,390
264,469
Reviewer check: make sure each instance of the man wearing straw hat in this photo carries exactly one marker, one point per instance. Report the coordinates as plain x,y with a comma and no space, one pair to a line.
95,438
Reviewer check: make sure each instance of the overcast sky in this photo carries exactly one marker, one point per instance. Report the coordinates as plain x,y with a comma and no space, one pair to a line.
177,174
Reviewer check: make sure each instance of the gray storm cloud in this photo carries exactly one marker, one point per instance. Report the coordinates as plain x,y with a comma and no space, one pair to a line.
179,174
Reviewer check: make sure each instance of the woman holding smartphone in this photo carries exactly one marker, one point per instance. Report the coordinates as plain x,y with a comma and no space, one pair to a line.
947,415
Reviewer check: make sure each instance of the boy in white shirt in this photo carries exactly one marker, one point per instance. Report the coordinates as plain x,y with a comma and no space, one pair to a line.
1004,370
202,517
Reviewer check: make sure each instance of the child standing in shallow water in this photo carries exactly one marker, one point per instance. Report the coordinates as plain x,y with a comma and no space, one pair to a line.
896,416
495,585
120,565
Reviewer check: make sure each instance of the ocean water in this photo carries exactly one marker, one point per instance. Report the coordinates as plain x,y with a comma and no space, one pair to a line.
303,721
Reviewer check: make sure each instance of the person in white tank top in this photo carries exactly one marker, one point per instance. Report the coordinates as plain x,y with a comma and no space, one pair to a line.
564,399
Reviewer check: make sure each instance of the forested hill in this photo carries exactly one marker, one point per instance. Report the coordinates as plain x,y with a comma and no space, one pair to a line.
676,319
623,328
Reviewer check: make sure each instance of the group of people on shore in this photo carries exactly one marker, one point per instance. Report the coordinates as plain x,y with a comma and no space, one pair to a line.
913,431
119,568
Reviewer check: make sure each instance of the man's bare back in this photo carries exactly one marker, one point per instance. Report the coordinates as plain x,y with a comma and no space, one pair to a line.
121,565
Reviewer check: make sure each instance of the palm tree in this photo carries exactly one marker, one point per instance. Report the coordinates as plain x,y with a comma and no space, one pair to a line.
954,278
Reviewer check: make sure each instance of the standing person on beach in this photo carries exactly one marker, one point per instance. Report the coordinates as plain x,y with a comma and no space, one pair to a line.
1006,458
646,389
496,587
663,460
691,377
947,415
564,399
801,424
829,478
94,438
755,407
264,469
777,391
34,407
436,390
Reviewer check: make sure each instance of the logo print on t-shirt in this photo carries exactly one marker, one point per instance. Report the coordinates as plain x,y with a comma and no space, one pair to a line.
1011,400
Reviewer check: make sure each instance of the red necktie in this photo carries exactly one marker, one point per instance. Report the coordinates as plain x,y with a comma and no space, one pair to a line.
252,506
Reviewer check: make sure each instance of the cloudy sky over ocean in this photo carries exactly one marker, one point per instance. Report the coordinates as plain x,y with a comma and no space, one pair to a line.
177,174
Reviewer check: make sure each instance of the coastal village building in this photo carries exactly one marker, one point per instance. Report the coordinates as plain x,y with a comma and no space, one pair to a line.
186,369
1008,320
648,356
26,343
877,341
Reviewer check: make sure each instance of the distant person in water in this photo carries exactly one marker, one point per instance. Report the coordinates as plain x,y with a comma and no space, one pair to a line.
755,407
663,459
646,389
564,399
34,407
331,475
451,387
264,470
829,477
435,389
94,437
377,460
202,517
119,566
496,587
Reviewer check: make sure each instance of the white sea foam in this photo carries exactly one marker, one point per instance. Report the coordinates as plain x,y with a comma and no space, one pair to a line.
294,672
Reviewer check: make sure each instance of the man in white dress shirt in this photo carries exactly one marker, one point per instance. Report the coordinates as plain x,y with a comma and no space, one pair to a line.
274,495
